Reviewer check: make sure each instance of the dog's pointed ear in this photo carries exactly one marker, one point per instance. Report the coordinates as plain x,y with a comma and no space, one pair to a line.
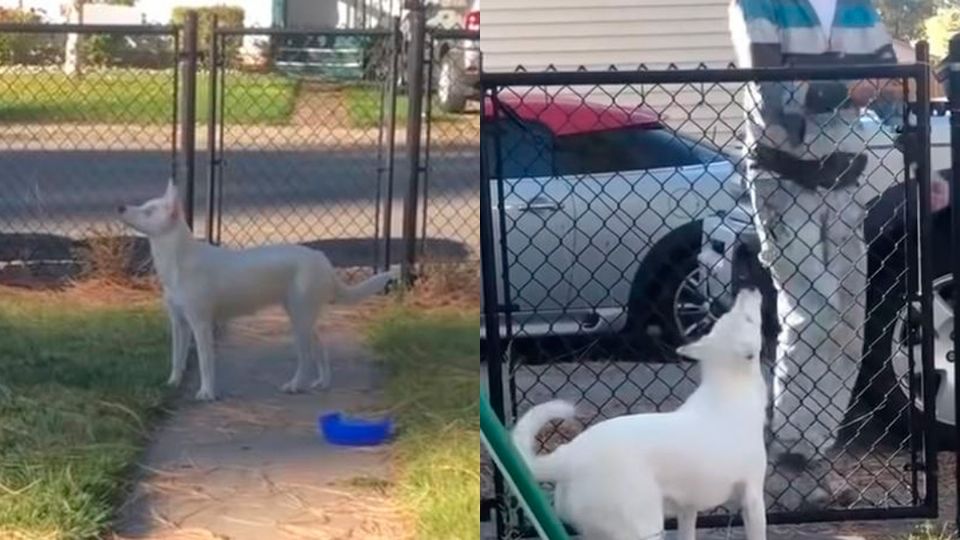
171,193
693,351
172,199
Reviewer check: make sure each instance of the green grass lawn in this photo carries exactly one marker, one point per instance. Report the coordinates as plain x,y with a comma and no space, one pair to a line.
136,97
79,383
363,107
432,362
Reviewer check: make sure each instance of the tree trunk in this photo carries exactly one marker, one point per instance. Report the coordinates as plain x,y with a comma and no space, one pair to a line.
72,57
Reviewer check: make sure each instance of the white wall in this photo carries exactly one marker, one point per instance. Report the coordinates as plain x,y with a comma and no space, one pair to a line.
622,33
50,7
596,34
256,12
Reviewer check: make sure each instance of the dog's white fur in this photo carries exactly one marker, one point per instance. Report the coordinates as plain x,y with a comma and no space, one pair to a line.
204,285
619,478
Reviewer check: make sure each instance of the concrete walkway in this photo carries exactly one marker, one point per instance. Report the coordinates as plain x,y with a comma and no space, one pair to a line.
252,466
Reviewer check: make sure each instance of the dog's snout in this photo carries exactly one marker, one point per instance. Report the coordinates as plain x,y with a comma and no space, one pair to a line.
121,209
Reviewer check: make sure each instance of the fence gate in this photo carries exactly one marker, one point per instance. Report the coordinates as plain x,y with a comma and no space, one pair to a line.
612,211
301,146
449,214
89,118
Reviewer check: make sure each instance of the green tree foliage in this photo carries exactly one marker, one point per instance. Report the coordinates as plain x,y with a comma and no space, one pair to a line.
940,28
906,18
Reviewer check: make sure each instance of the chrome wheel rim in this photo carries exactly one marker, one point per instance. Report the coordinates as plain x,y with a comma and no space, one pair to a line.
696,304
908,337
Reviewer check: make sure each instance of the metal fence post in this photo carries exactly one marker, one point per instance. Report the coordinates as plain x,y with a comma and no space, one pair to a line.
952,66
926,264
188,122
396,39
415,96
492,350
213,65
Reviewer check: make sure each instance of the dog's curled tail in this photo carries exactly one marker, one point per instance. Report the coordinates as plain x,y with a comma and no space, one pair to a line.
351,294
545,467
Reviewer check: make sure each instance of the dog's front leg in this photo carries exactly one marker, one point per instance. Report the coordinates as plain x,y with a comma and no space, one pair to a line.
754,512
306,341
687,524
180,344
203,333
324,371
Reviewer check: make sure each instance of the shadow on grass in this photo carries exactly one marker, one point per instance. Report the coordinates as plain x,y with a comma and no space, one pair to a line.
82,380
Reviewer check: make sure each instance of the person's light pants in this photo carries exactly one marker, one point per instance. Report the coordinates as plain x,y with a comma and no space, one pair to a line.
812,242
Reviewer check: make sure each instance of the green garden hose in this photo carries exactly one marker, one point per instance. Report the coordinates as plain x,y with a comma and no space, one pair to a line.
509,462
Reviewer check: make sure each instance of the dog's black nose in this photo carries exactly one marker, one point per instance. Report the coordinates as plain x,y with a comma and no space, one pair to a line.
121,209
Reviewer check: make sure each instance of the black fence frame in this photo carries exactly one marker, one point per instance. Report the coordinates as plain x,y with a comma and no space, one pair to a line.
497,306
432,37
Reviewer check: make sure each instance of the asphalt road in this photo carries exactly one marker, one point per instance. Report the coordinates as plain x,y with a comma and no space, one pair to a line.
85,183
298,195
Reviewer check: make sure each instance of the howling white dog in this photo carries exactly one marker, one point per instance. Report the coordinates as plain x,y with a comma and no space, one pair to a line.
619,478
204,284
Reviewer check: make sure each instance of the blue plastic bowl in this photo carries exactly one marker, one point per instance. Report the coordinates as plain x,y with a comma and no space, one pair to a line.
343,431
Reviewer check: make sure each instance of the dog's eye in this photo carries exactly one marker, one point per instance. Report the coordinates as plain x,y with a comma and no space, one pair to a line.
750,356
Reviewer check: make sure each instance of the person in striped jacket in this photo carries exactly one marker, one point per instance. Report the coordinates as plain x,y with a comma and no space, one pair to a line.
805,167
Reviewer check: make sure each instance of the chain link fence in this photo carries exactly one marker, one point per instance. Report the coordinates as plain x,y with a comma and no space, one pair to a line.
304,135
625,209
299,154
89,122
449,223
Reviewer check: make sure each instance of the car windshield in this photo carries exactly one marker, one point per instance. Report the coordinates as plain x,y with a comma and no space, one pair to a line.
528,149
631,148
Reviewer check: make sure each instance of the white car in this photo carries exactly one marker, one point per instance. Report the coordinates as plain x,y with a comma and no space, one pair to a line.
619,227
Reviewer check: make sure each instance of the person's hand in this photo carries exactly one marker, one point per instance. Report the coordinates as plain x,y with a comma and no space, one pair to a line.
939,194
863,92
891,90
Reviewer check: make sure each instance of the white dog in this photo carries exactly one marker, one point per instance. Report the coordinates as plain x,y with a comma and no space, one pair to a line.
619,478
204,284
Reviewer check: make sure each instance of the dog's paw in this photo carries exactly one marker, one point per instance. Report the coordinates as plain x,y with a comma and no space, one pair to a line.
206,394
320,383
173,381
295,386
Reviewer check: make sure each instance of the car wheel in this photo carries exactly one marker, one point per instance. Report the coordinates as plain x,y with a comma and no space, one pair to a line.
682,300
450,95
696,303
894,333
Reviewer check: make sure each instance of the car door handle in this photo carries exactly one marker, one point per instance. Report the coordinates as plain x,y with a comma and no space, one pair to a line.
536,205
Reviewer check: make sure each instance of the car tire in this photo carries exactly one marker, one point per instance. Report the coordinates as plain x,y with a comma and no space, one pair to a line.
651,318
450,95
883,370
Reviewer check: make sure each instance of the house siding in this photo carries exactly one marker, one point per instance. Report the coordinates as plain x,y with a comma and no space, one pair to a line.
602,34
570,33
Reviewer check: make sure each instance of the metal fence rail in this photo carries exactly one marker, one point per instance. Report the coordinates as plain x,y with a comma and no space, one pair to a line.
621,223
